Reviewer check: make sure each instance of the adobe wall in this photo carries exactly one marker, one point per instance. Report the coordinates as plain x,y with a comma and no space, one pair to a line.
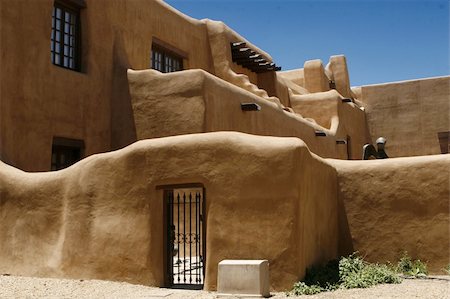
328,110
40,100
409,114
102,218
395,205
199,102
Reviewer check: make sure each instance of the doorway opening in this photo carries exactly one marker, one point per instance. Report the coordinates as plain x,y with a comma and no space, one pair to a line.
185,236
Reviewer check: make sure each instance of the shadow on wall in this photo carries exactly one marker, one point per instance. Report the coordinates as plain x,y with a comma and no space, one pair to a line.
123,130
345,244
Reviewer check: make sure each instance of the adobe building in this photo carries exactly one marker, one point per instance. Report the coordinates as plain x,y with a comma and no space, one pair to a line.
139,144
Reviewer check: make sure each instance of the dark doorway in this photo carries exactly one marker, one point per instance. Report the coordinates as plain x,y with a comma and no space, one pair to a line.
185,237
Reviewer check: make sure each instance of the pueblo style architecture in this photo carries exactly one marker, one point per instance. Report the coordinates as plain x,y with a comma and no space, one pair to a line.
141,145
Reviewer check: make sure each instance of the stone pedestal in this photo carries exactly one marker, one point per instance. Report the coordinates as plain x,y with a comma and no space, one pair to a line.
247,278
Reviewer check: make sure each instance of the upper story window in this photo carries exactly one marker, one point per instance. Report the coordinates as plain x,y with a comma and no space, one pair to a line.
165,60
65,38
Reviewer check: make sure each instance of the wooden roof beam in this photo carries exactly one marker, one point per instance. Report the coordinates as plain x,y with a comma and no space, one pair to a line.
238,45
250,57
242,50
250,62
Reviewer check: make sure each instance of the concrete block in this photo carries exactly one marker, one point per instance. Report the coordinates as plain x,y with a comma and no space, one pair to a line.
247,278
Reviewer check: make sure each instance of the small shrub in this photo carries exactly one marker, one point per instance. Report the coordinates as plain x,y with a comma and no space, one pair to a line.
409,267
356,273
348,272
301,288
405,263
447,270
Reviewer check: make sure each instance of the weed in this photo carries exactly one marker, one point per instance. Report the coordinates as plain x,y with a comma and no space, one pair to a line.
410,267
301,288
356,273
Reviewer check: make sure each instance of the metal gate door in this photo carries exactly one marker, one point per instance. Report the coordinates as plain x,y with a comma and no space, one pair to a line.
185,237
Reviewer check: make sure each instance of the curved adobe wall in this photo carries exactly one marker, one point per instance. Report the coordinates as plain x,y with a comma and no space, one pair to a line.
102,217
394,205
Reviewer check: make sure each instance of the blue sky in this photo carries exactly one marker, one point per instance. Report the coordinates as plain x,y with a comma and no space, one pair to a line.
383,40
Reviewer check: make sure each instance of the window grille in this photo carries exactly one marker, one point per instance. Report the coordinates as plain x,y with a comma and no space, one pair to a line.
165,61
65,38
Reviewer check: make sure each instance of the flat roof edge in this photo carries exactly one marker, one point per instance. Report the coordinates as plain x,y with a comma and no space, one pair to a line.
404,81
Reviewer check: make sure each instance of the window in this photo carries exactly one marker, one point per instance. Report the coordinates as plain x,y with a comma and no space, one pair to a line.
65,39
444,141
165,61
332,84
66,152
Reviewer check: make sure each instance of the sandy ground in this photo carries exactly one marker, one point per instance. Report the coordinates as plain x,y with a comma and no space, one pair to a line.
27,287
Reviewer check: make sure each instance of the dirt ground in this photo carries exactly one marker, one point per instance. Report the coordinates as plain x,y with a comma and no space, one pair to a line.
28,287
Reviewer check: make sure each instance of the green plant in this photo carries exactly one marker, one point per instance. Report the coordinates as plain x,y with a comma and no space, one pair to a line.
348,272
356,273
410,267
301,288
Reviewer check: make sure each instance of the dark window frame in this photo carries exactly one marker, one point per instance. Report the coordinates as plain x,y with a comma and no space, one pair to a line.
65,40
444,141
166,60
73,149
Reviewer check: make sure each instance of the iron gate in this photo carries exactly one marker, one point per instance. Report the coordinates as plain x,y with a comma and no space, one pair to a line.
185,237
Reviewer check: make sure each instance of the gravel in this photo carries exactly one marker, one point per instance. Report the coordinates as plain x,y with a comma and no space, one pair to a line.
30,287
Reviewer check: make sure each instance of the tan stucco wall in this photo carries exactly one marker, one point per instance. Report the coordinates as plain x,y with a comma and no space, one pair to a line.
214,105
297,76
102,217
408,114
40,100
314,76
339,74
252,77
345,118
395,205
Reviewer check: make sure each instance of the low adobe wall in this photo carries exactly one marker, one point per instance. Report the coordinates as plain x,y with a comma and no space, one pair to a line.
266,198
394,205
102,218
